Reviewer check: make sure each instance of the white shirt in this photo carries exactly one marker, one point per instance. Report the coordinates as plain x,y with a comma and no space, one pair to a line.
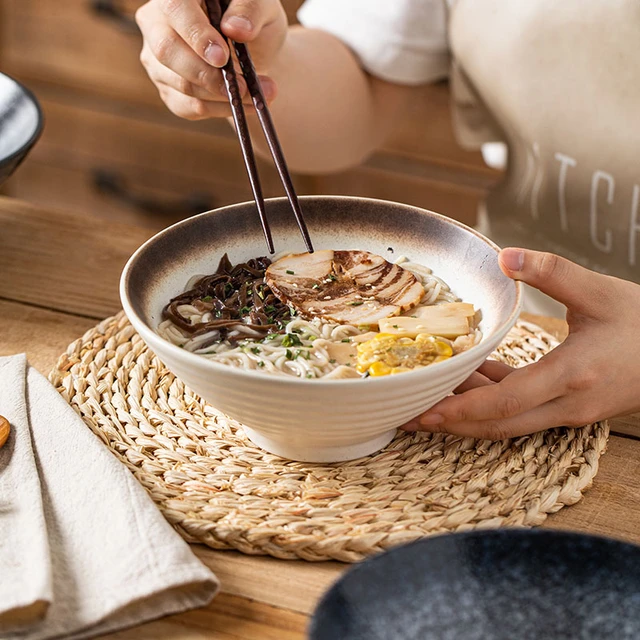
403,41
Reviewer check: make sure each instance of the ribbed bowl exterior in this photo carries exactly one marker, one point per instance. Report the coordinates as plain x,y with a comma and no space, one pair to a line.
322,415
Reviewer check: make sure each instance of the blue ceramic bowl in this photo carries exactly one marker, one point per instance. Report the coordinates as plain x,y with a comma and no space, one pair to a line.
509,584
21,124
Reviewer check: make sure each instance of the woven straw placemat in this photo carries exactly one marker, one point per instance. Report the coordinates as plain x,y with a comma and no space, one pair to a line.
217,488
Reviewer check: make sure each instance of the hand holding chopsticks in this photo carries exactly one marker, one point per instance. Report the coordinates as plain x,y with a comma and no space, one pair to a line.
215,11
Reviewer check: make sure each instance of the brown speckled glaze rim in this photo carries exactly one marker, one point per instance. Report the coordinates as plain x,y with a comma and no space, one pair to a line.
153,337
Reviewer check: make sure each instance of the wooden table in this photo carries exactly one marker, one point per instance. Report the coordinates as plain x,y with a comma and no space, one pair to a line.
59,275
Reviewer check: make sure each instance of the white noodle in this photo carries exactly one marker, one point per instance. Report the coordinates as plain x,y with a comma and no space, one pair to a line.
309,358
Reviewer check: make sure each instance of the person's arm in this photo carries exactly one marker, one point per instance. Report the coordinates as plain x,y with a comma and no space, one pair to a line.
593,375
329,113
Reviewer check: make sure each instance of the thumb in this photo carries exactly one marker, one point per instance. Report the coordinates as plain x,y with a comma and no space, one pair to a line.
563,280
244,19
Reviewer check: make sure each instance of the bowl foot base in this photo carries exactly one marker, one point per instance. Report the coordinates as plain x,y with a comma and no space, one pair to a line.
320,454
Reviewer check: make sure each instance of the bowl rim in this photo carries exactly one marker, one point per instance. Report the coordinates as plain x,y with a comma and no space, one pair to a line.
151,337
39,125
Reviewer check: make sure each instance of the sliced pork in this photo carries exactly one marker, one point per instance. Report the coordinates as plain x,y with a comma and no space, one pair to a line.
349,287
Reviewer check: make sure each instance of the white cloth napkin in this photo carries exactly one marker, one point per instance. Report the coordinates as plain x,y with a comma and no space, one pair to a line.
83,549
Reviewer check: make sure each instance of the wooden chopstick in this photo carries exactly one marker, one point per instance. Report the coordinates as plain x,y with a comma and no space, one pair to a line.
260,104
215,10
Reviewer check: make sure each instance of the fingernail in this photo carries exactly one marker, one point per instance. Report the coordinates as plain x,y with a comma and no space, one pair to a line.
512,259
215,54
431,419
239,22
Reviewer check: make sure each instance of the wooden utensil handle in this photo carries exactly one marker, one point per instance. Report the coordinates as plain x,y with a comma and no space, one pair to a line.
215,10
5,430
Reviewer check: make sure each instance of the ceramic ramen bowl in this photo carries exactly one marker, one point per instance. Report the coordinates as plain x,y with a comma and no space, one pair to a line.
320,420
21,124
499,585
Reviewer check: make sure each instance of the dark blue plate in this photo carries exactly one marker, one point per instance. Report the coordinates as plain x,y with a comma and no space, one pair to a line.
510,584
21,124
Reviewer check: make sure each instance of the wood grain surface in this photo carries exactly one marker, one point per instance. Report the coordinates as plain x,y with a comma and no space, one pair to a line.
60,275
103,112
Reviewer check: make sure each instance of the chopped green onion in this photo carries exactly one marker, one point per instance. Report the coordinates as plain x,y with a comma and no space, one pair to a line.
332,361
310,375
291,273
269,308
255,350
261,363
289,354
356,303
346,340
245,310
207,299
291,340
315,286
